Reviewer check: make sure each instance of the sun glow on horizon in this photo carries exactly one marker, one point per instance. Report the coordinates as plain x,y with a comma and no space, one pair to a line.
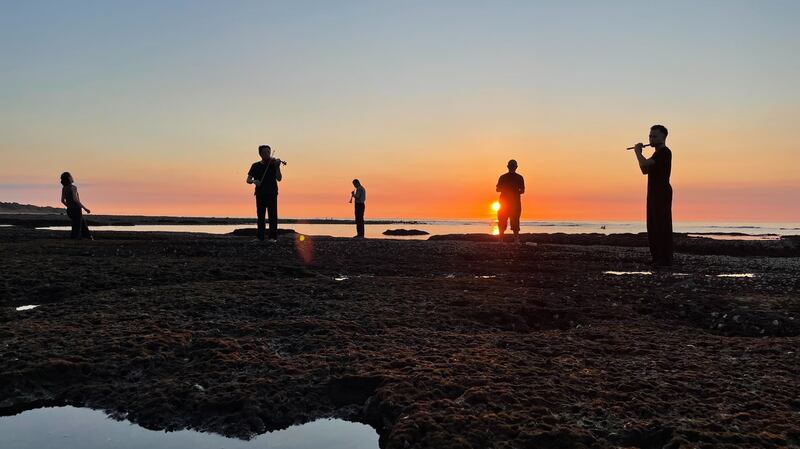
496,206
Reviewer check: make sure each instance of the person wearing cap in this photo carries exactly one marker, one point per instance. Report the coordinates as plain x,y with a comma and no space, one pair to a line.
511,186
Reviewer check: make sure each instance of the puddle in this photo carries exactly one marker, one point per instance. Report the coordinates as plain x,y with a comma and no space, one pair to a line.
626,273
74,428
734,275
748,237
28,307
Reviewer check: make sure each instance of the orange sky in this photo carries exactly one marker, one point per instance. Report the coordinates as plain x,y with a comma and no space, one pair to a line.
573,176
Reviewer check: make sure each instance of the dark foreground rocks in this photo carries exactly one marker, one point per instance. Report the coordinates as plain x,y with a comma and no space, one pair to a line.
253,232
785,246
440,344
405,232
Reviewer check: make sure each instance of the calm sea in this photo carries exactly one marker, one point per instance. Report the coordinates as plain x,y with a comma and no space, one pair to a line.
439,227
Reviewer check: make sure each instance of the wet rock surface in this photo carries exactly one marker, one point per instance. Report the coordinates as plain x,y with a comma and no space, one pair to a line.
253,232
405,232
434,343
785,246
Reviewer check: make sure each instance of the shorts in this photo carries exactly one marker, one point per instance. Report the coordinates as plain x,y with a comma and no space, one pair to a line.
509,211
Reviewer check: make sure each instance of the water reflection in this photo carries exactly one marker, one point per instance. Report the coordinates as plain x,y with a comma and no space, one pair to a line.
625,273
488,226
28,307
736,275
748,237
74,428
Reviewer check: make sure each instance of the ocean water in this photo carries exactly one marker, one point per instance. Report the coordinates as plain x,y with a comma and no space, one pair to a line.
440,227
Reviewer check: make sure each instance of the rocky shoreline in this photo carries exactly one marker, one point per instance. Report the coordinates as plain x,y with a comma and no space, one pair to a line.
445,343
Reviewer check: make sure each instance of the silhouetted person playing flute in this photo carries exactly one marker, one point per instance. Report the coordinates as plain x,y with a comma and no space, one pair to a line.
360,197
511,186
71,199
266,174
659,195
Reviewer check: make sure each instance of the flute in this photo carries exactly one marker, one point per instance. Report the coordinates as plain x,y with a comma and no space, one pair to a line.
630,148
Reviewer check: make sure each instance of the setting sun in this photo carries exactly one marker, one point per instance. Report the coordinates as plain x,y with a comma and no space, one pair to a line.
496,206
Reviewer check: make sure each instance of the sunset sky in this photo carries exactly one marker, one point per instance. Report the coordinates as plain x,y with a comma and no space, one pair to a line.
158,107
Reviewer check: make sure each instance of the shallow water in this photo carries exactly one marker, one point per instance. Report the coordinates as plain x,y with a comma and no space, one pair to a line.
487,226
627,273
737,237
82,428
736,275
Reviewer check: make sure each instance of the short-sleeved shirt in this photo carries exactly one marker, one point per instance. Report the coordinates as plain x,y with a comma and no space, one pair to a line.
511,184
658,174
269,184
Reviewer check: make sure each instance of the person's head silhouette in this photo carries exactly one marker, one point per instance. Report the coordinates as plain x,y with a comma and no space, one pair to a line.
66,179
658,136
356,183
264,151
512,166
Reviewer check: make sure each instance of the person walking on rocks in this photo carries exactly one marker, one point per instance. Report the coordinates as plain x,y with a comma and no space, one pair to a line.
71,199
511,186
360,196
265,175
659,195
